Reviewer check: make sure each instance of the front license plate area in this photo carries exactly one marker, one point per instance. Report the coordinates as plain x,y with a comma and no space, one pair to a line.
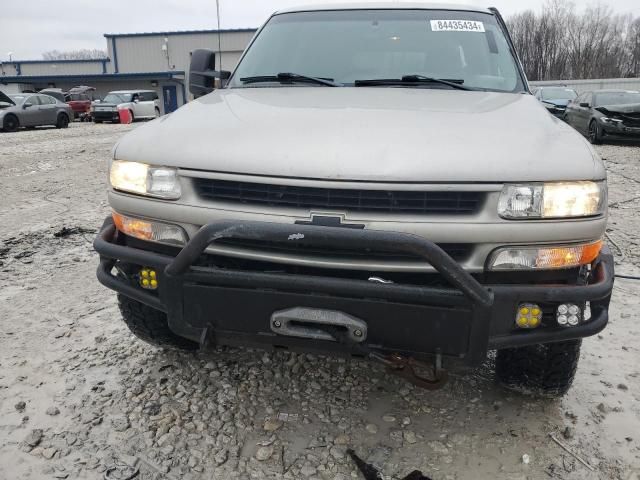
393,326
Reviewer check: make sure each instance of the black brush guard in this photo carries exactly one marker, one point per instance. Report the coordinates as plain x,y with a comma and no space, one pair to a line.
219,305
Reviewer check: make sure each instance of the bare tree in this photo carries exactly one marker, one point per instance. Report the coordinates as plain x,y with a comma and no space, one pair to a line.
84,54
560,43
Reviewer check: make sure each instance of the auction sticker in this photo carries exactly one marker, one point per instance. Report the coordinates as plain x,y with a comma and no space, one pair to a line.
457,26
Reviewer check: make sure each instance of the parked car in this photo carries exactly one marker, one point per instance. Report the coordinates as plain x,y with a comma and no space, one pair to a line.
345,192
143,104
555,99
56,93
80,99
606,114
32,110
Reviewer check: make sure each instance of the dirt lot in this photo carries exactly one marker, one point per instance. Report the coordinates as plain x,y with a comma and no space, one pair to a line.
80,397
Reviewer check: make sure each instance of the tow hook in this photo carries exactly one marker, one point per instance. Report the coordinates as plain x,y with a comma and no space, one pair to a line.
420,374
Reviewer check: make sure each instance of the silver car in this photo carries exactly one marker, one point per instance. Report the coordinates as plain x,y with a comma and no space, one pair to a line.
142,104
373,180
32,110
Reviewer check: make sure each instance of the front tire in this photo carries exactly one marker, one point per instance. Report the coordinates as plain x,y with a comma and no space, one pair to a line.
543,370
151,326
63,121
595,135
10,123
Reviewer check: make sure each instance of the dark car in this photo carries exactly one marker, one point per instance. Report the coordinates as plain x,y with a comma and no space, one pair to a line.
555,99
56,93
606,114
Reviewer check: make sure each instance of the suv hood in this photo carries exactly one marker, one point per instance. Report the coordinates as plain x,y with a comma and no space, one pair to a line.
367,134
5,99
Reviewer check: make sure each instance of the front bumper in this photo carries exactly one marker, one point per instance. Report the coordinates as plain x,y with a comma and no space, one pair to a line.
621,132
108,116
233,306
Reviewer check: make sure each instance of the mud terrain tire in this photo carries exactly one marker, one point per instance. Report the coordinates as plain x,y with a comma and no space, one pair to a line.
151,325
543,370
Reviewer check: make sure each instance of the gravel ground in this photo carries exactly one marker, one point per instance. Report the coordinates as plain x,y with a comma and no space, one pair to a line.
80,397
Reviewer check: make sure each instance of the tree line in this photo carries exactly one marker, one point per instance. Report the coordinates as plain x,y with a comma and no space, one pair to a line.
562,43
82,54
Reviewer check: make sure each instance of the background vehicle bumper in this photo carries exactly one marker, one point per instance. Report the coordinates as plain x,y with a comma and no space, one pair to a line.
215,305
107,116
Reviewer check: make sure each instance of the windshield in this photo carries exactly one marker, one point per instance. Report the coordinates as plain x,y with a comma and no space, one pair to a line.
558,94
351,45
617,98
117,98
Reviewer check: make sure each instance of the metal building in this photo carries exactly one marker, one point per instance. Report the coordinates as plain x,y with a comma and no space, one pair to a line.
151,61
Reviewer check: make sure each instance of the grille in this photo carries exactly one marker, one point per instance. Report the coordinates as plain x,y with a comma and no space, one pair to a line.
392,201
457,251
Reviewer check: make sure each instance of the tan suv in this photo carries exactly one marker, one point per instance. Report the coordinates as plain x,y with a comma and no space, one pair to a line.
372,181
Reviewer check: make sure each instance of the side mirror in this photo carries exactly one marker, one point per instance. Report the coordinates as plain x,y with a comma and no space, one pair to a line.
27,105
202,73
137,100
584,104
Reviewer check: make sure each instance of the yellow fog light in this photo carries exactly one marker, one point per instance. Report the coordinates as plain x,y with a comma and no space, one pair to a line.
528,316
148,279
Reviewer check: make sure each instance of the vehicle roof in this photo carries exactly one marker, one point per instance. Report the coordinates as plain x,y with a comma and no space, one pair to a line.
385,6
131,91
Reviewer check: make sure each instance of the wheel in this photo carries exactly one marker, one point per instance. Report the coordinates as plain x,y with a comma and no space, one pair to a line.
63,121
11,123
151,325
595,135
545,370
133,119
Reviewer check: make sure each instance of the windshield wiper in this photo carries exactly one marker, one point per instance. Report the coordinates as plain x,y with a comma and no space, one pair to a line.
411,80
286,77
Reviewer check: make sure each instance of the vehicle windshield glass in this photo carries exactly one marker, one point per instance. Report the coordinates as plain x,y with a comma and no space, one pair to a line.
352,45
117,98
617,98
558,94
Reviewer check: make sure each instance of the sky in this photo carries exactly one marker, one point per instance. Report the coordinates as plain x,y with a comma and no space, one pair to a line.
29,28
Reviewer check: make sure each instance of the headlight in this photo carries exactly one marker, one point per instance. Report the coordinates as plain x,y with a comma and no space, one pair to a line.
143,179
611,121
553,200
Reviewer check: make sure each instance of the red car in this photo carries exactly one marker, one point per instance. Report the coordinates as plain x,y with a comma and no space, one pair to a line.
79,99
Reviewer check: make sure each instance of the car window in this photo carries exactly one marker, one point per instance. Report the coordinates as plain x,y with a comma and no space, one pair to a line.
558,93
46,100
617,98
350,45
148,96
33,100
117,98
